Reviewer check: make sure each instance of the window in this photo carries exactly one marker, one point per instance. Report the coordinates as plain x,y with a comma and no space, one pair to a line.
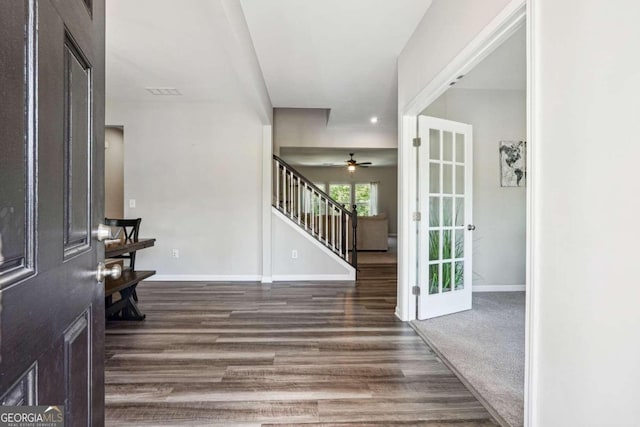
363,195
363,199
341,193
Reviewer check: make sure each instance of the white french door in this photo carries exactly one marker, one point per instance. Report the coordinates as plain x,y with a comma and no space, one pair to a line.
445,186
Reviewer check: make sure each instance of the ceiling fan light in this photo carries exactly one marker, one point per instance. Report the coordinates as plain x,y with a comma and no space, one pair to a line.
351,168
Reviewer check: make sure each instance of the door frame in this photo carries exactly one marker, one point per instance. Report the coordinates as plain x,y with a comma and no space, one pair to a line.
513,17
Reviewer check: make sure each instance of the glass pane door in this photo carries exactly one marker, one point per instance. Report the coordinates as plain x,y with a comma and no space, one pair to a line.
445,200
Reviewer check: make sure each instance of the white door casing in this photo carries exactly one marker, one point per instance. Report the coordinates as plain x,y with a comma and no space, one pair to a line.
445,190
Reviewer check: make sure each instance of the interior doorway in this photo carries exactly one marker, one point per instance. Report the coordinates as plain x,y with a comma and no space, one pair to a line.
485,345
114,172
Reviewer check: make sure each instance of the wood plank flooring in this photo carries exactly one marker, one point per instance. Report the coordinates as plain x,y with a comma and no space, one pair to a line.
312,354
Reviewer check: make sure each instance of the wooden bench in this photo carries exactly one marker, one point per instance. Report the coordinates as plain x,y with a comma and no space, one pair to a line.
125,308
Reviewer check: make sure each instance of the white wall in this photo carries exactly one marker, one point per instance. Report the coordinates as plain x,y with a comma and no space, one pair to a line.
586,110
193,163
447,27
114,173
195,172
387,189
313,261
499,213
307,127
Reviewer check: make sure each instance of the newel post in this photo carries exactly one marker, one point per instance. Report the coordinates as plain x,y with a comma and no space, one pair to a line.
355,237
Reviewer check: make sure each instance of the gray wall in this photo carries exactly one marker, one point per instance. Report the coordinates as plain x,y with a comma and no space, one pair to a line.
387,189
499,213
114,173
195,172
312,262
308,127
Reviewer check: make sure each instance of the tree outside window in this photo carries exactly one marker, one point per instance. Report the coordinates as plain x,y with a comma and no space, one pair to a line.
359,194
341,193
363,199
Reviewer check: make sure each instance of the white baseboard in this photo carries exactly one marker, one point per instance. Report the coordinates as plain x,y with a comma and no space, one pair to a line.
312,277
267,279
203,278
499,288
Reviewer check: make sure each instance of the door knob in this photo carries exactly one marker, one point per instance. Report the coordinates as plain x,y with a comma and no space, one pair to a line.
103,232
103,272
471,227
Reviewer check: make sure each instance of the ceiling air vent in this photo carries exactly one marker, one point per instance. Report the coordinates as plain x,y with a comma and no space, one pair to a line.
163,91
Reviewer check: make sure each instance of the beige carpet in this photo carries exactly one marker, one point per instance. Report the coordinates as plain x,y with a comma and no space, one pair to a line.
485,346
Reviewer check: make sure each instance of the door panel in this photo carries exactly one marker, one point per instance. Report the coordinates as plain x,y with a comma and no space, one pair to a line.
77,125
16,174
445,183
51,187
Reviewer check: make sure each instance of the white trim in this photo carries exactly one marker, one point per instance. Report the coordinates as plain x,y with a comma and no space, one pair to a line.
203,278
503,26
267,279
351,271
499,288
531,310
312,277
407,180
267,192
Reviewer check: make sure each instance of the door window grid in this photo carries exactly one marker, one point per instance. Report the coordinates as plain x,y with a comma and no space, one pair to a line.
446,216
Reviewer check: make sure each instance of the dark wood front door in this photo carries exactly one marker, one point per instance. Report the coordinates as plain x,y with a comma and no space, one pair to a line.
51,200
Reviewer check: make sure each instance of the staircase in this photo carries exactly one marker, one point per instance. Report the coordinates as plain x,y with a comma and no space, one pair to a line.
313,210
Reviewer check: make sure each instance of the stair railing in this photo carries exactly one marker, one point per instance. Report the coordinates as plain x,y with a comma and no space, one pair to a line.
315,211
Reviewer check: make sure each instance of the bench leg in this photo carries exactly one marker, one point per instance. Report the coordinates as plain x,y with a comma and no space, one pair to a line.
126,308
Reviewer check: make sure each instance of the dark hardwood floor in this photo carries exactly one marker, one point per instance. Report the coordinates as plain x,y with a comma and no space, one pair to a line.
245,354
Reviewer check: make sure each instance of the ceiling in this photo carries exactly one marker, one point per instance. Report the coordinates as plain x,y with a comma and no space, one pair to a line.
313,156
334,54
168,44
503,69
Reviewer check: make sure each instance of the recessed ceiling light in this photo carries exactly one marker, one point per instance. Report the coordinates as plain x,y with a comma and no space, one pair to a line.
374,120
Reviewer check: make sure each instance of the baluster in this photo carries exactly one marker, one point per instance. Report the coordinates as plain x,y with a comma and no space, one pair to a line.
290,195
313,212
304,205
341,224
284,189
299,201
333,227
277,184
346,236
326,221
320,199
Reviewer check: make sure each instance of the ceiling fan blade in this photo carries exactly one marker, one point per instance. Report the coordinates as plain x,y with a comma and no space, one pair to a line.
365,164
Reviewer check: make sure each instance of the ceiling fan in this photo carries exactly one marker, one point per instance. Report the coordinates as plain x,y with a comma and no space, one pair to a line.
352,163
